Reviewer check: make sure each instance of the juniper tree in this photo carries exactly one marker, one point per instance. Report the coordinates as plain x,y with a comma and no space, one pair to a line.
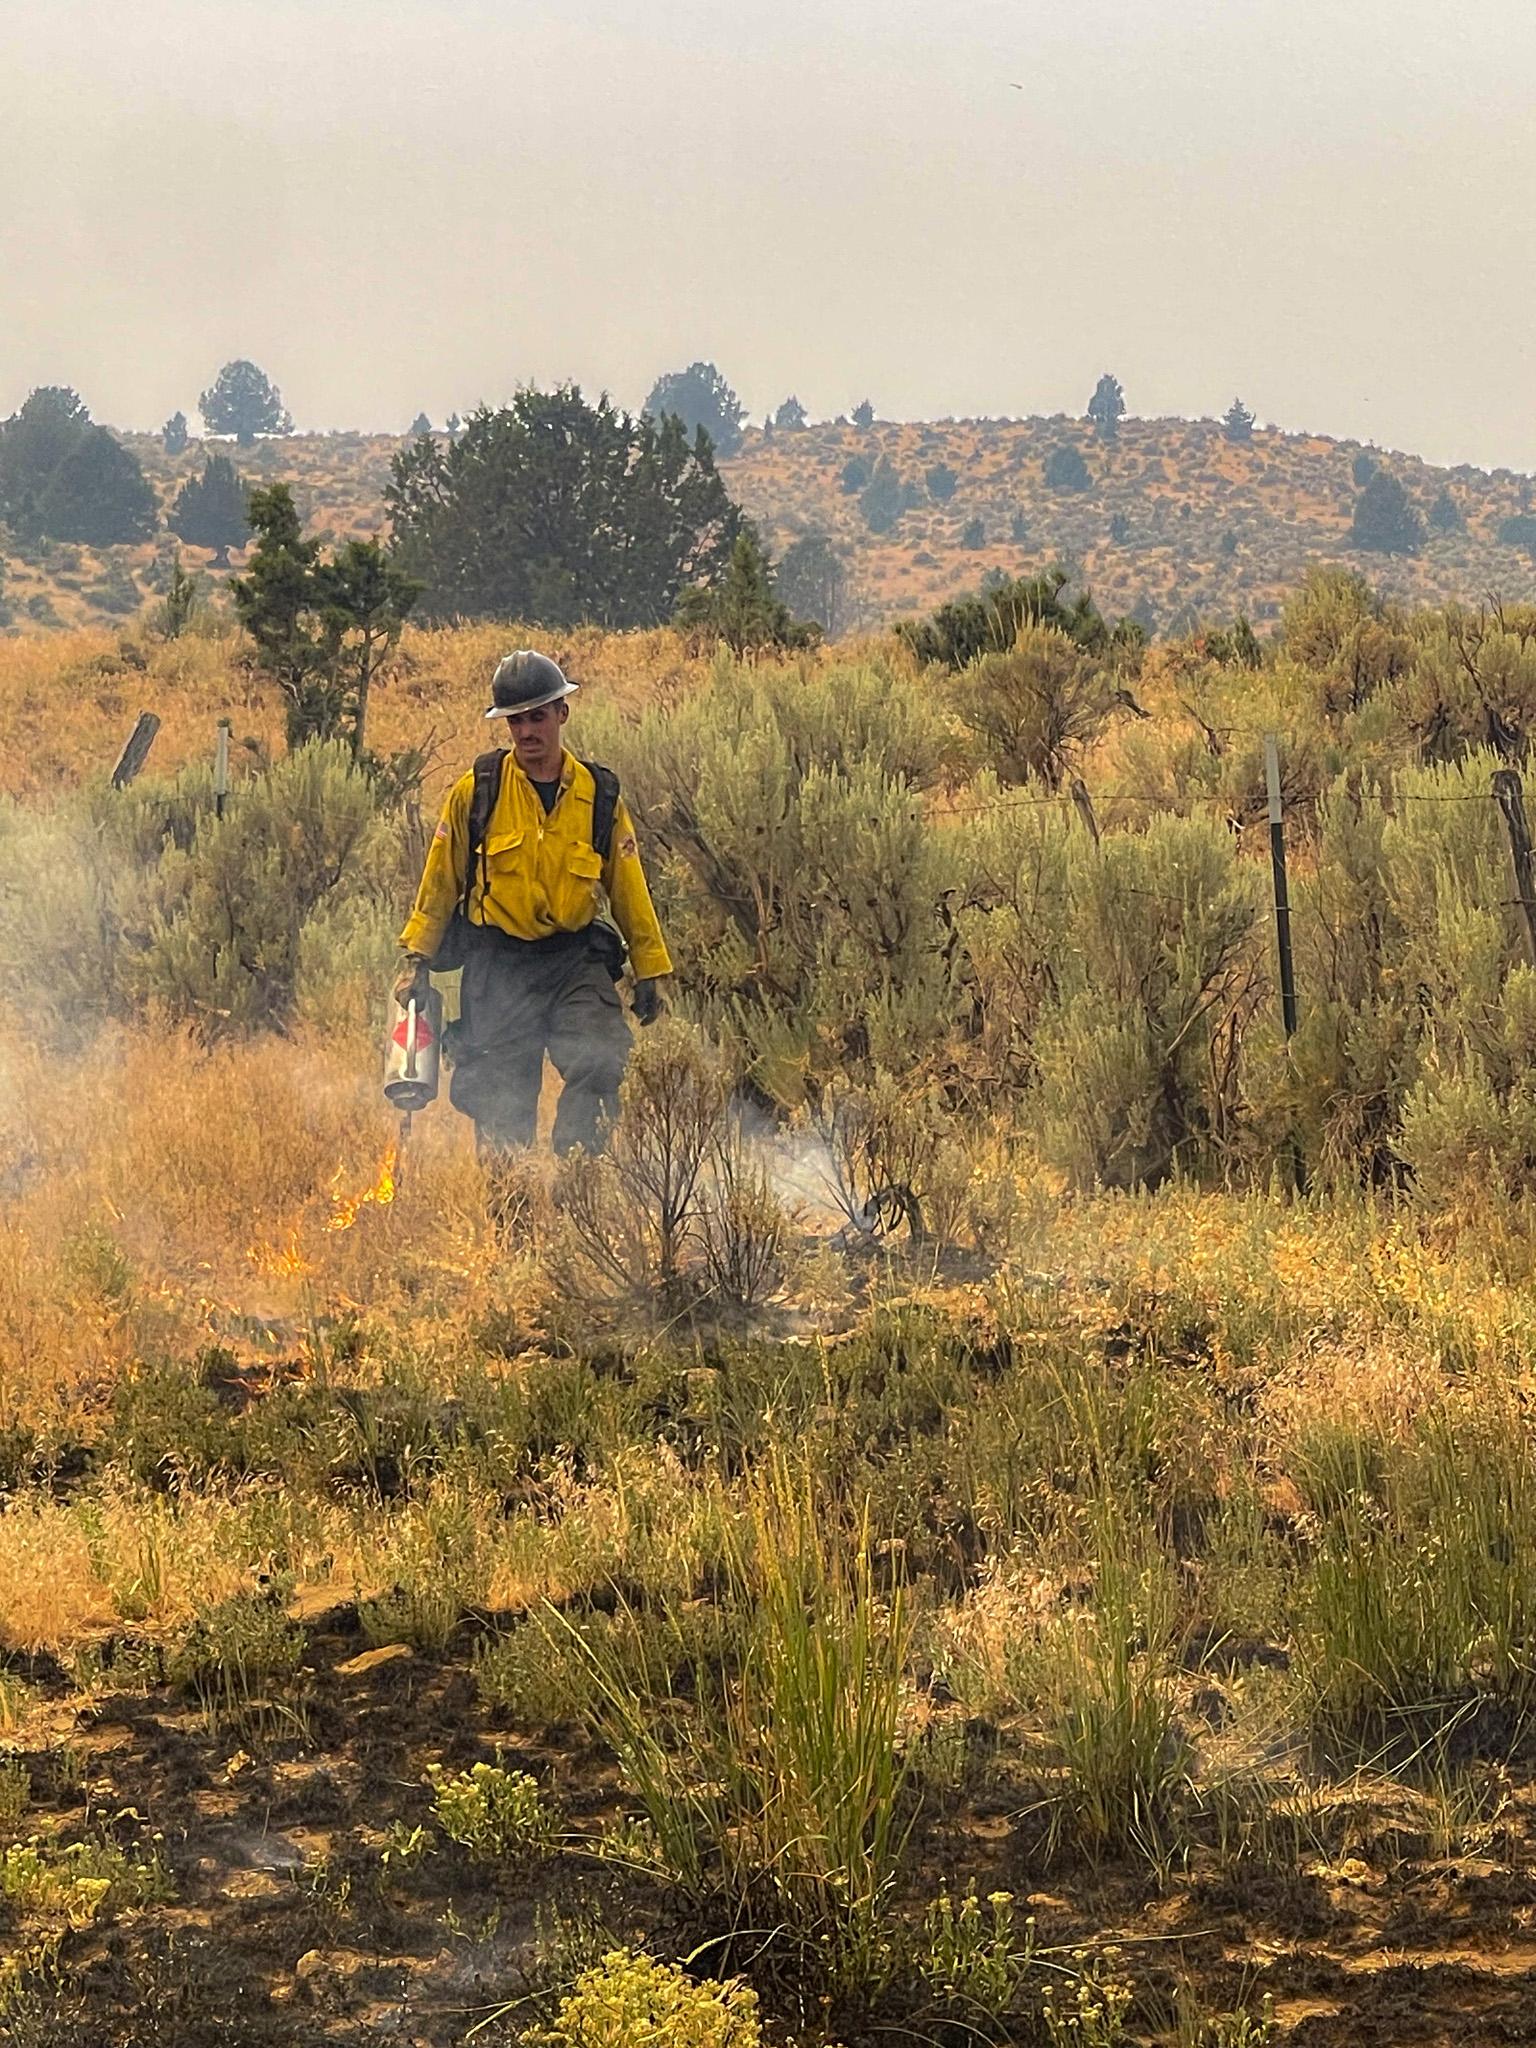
98,495
243,401
1237,422
420,425
790,416
34,442
561,511
1445,513
174,435
1065,470
863,414
700,397
210,510
813,582
884,498
1385,523
744,609
1106,408
322,628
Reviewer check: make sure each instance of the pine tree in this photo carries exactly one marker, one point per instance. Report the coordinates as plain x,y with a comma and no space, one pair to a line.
244,402
98,495
210,510
1237,421
1106,408
941,481
1385,523
420,425
174,436
790,416
864,414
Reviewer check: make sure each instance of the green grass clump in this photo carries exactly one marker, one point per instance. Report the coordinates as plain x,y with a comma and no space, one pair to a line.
783,1785
1419,1610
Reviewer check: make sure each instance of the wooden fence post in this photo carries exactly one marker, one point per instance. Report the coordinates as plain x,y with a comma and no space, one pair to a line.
135,749
1511,801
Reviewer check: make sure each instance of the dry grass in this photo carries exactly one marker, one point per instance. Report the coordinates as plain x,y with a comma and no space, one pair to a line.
70,698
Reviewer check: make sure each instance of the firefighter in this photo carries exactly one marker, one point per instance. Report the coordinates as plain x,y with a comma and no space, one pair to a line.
510,892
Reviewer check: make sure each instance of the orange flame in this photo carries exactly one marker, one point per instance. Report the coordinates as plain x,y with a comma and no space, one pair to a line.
345,1209
279,1261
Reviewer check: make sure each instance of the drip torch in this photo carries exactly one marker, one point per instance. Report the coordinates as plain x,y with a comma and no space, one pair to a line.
411,1059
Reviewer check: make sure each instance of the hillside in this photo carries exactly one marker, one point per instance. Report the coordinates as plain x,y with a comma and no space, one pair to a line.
1177,523
1210,527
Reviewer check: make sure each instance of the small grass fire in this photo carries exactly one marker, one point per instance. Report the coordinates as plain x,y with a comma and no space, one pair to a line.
345,1209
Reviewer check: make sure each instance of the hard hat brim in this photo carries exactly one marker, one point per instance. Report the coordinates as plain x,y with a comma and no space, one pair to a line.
566,689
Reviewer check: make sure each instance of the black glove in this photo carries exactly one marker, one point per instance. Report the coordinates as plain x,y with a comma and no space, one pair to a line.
413,984
646,1001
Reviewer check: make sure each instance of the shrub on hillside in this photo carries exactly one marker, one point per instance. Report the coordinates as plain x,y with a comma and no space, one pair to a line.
958,632
1035,707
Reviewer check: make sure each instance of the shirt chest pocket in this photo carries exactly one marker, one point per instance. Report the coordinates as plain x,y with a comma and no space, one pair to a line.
585,863
504,852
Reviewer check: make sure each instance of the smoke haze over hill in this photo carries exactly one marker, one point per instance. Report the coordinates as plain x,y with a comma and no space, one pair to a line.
421,204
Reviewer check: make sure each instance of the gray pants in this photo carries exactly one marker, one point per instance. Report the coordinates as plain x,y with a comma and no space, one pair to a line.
518,1001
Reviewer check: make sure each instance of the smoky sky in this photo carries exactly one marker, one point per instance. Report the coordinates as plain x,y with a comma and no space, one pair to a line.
406,205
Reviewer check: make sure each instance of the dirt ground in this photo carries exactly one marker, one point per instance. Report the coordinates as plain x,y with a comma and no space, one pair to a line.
288,1925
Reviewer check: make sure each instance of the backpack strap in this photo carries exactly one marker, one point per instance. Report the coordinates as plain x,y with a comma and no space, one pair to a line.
604,805
488,772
